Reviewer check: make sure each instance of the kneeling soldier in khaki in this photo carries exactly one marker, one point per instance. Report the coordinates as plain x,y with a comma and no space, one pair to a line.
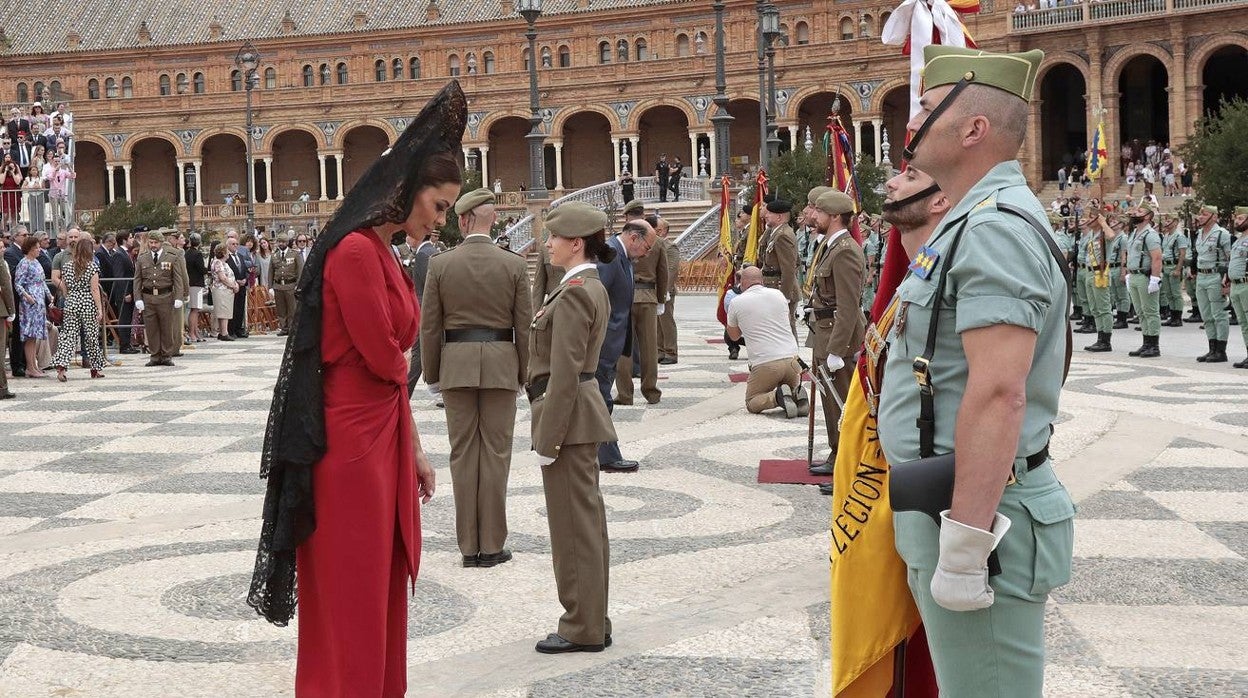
760,315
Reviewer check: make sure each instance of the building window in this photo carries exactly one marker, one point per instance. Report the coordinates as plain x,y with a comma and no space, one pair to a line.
93,89
110,88
56,89
236,80
803,33
413,68
127,87
184,85
308,78
397,69
342,73
884,17
682,45
643,50
525,55
324,73
379,71
847,29
166,87
38,90
546,58
471,62
699,43
23,92
198,81
565,57
604,52
865,27
270,78
488,59
452,65
621,50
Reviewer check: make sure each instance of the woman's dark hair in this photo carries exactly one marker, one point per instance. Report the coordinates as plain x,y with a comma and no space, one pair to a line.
29,242
596,248
439,169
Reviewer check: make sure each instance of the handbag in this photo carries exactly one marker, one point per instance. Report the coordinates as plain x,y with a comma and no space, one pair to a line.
55,315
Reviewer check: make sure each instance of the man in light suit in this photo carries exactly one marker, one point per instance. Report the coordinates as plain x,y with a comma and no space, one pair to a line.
475,348
632,243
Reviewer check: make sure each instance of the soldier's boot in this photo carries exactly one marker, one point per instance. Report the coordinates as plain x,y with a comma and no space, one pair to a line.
1102,342
1194,316
1150,350
1241,364
1120,321
1213,348
1219,355
1233,319
1077,316
1088,326
1175,319
1141,350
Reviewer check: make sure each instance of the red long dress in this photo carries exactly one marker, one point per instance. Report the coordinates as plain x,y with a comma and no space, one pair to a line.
353,570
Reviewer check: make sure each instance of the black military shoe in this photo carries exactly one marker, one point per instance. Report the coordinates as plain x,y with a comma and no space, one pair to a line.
472,560
1150,350
1193,316
1219,352
1120,321
553,644
1102,343
1088,326
1213,348
620,466
1239,364
492,559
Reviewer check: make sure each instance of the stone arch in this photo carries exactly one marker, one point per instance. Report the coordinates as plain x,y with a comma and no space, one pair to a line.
154,171
1062,89
1111,71
362,144
509,151
561,119
196,147
744,130
659,131
223,168
587,149
93,138
127,149
894,109
813,109
634,118
266,143
296,166
1060,58
880,96
1222,75
1142,83
340,135
487,123
90,164
1197,60
848,95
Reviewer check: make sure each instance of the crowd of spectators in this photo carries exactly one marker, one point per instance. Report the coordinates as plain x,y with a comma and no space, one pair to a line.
37,172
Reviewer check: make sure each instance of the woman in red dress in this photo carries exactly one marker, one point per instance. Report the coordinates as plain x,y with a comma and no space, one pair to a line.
346,471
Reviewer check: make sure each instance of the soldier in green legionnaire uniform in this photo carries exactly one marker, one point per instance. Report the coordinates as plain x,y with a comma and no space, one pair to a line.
1237,273
995,375
1173,262
1098,238
1084,309
1071,225
872,249
1120,299
1143,265
1213,254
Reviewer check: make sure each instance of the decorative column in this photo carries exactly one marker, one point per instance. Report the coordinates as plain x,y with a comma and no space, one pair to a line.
112,182
693,150
857,137
338,170
485,167
268,180
615,155
129,196
877,123
199,182
713,155
324,189
181,183
793,137
558,163
633,154
1031,158
1177,93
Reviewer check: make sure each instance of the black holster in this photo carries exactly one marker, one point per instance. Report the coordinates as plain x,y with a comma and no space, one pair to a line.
926,485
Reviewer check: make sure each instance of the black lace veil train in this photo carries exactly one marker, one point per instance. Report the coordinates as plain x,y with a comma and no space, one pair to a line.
294,438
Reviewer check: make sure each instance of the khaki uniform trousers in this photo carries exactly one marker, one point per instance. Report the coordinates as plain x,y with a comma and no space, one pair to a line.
159,326
667,330
1212,305
646,345
840,379
480,424
1147,305
1239,301
998,651
760,389
578,543
1098,303
285,301
1171,289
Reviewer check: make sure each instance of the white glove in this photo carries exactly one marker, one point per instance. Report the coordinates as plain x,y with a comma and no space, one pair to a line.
544,460
1126,277
662,309
434,389
138,305
835,363
1154,284
177,303
272,294
960,582
11,318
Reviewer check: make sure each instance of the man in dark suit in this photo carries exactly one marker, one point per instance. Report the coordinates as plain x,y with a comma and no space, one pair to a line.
418,268
662,173
238,324
632,243
12,257
17,123
22,151
121,295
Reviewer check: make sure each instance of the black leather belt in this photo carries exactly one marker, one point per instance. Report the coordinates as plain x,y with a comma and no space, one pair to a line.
823,313
1206,271
1037,459
644,284
537,388
1239,281
283,281
156,292
478,334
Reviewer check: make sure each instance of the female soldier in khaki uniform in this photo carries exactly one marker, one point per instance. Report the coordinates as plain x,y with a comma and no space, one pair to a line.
569,420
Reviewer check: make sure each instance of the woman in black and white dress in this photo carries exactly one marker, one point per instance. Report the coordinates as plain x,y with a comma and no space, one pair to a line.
84,308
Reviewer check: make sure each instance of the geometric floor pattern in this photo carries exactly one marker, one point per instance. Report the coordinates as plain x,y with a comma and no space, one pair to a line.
129,505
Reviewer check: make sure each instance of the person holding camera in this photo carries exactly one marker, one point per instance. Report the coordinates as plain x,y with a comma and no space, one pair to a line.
10,190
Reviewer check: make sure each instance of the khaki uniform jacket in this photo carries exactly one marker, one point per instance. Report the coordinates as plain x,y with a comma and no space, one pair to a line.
186,278
673,265
566,338
838,286
171,274
285,268
476,285
546,277
781,255
651,269
7,304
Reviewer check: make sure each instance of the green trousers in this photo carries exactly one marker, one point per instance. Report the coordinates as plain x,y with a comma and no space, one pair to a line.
1239,301
1171,288
1189,287
1147,305
1212,305
1081,294
1120,299
1097,303
998,651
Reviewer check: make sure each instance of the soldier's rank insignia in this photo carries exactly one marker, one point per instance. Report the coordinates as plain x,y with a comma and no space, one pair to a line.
924,261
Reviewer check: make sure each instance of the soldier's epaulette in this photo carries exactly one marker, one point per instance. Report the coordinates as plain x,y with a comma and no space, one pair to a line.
576,281
990,203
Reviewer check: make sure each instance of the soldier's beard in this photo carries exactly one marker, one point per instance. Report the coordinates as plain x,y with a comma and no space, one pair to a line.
1242,227
909,213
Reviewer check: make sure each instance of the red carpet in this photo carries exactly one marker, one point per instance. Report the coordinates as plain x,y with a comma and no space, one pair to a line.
736,377
719,340
789,472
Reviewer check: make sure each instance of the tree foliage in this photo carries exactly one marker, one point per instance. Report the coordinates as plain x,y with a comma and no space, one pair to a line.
123,215
1219,153
796,172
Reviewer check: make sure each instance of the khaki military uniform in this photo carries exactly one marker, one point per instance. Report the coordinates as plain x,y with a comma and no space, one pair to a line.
1213,254
8,306
285,268
1237,272
179,331
667,321
546,276
158,283
778,260
650,286
836,311
474,339
569,420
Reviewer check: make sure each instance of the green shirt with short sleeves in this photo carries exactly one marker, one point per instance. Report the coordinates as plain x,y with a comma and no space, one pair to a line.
1237,270
1003,273
1213,249
1139,246
1171,245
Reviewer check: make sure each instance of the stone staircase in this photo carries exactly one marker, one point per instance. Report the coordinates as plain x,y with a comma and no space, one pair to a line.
1169,204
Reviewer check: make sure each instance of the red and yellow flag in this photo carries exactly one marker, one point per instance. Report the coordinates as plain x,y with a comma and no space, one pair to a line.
725,248
756,219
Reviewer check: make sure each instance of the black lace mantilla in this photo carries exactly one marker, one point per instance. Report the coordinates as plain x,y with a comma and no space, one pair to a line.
294,439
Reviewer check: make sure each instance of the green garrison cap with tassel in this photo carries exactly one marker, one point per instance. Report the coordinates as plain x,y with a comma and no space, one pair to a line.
1013,72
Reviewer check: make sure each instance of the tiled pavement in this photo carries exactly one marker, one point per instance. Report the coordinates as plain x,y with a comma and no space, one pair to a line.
127,528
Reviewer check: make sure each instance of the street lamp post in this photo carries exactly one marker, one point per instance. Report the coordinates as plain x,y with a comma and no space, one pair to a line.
759,8
531,10
771,33
248,59
722,119
190,195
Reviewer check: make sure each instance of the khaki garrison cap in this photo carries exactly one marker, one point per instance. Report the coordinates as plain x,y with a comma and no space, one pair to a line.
815,193
283,237
1013,72
1147,206
1055,219
834,202
156,235
575,219
634,205
1209,208
473,199
1241,210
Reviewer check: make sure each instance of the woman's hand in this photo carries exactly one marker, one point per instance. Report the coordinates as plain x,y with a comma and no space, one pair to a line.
425,477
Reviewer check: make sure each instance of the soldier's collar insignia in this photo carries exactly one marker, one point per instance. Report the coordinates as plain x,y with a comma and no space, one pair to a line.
924,261
576,281
985,202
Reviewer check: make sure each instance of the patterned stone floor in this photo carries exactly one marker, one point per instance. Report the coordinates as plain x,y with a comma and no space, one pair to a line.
128,518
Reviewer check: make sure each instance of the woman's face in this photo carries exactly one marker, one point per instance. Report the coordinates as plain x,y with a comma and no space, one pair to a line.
429,209
563,250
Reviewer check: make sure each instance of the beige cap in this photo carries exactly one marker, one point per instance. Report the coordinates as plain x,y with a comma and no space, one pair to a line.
634,205
815,193
473,199
575,219
834,202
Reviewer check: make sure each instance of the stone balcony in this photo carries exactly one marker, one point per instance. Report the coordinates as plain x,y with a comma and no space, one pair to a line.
1108,13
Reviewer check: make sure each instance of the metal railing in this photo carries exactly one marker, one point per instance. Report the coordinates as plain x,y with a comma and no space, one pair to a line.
700,236
1110,11
39,212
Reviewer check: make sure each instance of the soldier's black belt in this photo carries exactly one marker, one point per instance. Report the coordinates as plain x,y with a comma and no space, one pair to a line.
157,292
478,334
1239,281
284,281
644,284
1215,270
823,313
537,388
771,273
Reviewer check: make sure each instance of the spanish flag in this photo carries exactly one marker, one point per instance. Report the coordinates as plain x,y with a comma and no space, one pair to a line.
1098,154
756,219
725,248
